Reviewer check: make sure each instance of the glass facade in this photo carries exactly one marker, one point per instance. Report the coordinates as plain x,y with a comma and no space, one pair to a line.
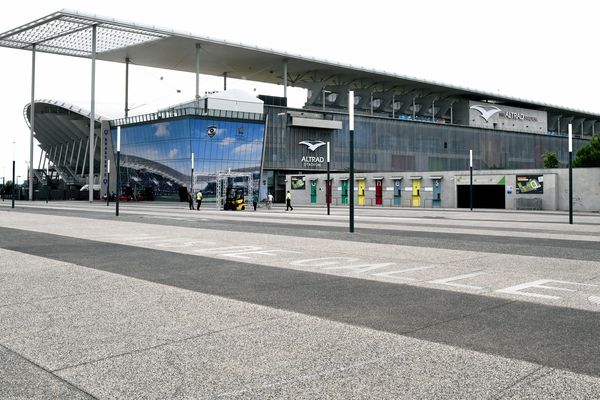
394,145
156,156
397,145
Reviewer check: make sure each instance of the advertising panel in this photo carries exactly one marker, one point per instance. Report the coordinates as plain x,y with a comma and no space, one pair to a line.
530,184
298,183
499,116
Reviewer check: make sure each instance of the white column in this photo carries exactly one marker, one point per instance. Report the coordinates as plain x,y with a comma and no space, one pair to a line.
32,123
92,118
197,74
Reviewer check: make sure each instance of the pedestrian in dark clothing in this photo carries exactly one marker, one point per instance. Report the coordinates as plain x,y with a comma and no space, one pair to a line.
190,199
254,201
288,201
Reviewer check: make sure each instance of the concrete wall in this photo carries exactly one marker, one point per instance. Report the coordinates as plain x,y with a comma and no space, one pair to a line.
555,196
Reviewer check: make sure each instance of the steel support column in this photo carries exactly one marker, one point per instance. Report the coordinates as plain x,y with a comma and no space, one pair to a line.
285,73
126,87
197,75
31,123
92,117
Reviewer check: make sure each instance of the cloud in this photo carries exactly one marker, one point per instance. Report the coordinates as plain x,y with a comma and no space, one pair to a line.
254,146
162,130
227,141
173,153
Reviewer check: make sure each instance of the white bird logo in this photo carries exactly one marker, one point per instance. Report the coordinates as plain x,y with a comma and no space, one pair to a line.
312,145
486,114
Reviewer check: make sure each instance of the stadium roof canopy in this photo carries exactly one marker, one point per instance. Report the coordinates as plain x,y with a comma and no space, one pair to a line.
70,33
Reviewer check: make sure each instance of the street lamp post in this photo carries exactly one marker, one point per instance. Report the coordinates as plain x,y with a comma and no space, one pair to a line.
471,180
570,174
108,183
192,176
328,183
118,171
13,177
13,185
351,177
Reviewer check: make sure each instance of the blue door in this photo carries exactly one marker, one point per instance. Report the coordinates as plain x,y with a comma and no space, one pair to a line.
437,194
397,191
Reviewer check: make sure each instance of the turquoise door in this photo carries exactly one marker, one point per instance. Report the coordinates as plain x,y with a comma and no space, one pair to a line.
313,192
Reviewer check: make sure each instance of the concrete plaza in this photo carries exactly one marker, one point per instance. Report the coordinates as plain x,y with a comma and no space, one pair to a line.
165,302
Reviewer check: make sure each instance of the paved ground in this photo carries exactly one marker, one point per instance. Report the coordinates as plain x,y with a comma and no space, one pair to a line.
164,302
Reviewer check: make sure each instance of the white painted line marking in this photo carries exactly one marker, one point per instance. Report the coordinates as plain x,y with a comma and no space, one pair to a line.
264,252
594,299
446,281
323,261
392,274
229,249
360,268
541,284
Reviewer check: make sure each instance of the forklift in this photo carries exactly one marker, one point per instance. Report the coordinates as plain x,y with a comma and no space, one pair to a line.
234,199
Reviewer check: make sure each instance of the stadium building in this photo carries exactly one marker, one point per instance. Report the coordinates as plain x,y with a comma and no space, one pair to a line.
401,124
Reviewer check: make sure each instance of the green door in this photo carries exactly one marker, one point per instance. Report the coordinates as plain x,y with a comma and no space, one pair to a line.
313,192
344,192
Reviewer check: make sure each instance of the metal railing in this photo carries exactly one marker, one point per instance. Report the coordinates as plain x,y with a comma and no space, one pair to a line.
187,111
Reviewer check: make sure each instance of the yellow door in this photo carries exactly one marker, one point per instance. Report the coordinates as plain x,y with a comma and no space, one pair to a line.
416,193
361,192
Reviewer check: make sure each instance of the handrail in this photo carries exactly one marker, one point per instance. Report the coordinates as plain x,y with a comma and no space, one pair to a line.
189,111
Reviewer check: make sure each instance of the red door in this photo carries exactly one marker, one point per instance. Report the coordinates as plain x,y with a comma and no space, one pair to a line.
378,192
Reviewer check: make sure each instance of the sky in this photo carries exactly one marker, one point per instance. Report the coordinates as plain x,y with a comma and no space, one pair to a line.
543,51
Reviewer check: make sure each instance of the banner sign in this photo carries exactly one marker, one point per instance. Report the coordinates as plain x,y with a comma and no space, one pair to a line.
530,184
298,182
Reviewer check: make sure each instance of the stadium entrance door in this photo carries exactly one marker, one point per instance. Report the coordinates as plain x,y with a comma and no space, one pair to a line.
484,196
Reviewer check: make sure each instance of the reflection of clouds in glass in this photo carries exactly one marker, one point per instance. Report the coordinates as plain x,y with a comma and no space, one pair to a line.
162,130
173,153
251,147
227,141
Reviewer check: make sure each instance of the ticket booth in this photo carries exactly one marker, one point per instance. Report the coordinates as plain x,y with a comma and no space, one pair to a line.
436,200
378,190
345,191
416,191
397,190
361,191
313,191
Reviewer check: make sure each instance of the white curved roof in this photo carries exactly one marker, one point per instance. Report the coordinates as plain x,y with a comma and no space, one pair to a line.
70,33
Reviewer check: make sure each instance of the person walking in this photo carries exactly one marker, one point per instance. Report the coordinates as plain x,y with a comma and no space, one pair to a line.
254,201
198,200
269,201
288,201
190,200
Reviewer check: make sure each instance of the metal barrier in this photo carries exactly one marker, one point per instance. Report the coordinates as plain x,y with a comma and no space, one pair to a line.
529,203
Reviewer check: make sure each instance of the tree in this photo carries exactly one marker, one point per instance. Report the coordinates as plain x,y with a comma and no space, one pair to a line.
550,160
6,189
588,156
